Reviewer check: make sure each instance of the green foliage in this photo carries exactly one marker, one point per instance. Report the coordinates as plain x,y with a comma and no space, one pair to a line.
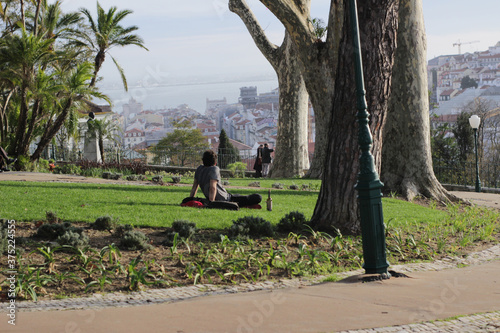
464,136
51,217
320,28
54,230
293,222
468,82
105,223
443,145
92,172
122,229
180,146
251,226
184,228
226,152
73,239
237,169
68,169
23,163
135,240
176,179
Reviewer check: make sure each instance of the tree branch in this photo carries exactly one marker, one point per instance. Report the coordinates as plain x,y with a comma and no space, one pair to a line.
268,49
295,16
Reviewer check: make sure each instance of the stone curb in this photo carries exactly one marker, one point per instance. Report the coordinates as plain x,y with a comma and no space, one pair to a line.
156,296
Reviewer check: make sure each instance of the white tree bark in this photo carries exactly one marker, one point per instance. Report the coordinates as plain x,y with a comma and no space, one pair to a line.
407,160
291,151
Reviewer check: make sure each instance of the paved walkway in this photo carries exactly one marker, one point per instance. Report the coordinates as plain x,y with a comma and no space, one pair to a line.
434,291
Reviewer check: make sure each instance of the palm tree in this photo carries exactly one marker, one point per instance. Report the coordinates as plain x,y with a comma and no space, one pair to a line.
105,33
103,129
22,57
73,98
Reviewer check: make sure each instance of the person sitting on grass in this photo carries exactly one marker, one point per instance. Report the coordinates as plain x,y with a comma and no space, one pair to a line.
207,177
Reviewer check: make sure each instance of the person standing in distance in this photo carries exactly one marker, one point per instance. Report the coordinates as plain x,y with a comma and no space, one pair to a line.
266,160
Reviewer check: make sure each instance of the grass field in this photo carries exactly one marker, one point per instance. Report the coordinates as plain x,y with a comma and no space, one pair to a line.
160,205
414,232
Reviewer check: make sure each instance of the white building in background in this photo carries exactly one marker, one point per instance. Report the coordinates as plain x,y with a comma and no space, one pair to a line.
133,138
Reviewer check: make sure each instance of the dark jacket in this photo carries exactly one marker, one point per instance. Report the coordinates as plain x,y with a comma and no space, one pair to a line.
266,155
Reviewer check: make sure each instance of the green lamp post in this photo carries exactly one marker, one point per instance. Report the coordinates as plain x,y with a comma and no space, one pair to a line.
474,122
368,185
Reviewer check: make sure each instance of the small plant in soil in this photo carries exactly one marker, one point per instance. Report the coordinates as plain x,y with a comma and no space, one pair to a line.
105,223
122,229
293,222
53,231
73,239
135,240
184,228
251,226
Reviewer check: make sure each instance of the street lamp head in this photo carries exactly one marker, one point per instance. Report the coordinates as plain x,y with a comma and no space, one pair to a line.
474,121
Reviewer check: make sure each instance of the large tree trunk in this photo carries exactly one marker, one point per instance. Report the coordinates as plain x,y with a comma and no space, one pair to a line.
328,70
17,148
291,153
51,130
407,160
291,157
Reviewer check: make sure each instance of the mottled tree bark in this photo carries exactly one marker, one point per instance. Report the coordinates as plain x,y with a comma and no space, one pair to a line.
328,71
407,160
291,151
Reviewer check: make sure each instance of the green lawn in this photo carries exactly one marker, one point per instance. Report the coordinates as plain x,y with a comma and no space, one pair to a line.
160,205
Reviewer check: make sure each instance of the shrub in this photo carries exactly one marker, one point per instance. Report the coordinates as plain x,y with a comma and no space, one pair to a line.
292,222
135,240
157,179
43,165
106,175
184,228
51,217
68,169
293,187
132,177
116,176
104,223
254,184
92,172
122,229
176,179
55,230
237,169
225,182
278,186
73,239
251,226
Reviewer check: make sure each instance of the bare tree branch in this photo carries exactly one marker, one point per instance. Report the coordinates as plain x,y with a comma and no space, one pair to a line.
295,16
268,49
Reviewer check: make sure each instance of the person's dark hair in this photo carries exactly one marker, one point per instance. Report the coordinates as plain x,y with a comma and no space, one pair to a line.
266,145
209,158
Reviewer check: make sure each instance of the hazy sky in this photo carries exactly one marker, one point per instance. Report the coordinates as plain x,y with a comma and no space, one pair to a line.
203,38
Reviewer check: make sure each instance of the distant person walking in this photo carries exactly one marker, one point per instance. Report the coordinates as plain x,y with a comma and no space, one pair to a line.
266,160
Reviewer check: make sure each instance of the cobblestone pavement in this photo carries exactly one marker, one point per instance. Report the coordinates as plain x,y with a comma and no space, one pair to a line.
486,322
489,322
